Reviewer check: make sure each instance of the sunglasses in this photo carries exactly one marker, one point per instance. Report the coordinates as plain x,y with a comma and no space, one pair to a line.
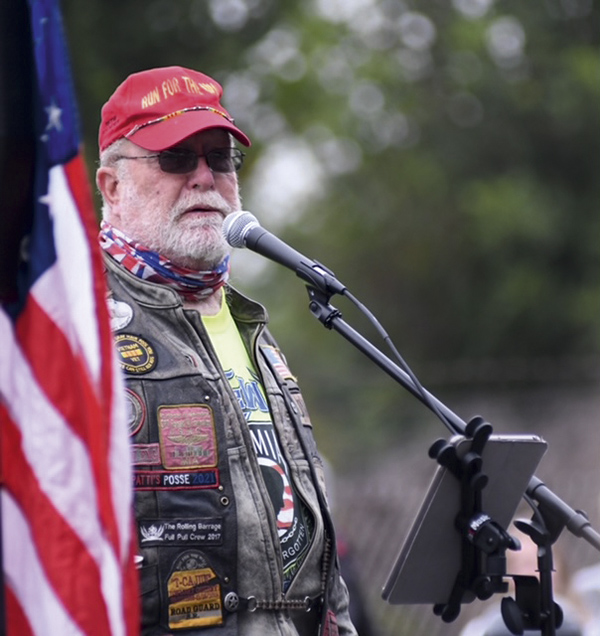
183,161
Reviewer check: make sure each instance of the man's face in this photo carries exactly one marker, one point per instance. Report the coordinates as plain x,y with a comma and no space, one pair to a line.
178,215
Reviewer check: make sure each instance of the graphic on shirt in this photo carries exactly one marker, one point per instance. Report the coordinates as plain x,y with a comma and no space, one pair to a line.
249,394
289,512
293,519
280,490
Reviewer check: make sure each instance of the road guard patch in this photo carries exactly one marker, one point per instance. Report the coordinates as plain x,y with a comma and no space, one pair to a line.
187,436
182,532
135,354
194,593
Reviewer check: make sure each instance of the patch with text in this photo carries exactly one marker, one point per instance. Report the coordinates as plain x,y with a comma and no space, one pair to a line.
145,454
187,436
194,593
175,480
181,532
135,354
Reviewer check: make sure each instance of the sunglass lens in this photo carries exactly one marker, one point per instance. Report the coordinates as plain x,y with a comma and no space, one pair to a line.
225,159
180,162
184,161
220,160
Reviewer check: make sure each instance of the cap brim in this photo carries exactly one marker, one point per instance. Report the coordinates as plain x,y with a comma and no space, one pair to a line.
169,132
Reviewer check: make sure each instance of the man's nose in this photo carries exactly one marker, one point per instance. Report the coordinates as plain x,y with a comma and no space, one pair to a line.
202,177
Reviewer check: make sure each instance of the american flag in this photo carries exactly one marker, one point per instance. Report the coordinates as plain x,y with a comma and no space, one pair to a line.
67,534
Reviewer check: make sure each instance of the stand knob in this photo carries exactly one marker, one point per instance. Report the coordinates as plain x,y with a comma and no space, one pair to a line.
511,614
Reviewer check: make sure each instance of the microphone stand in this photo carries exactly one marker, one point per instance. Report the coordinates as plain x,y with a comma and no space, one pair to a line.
534,606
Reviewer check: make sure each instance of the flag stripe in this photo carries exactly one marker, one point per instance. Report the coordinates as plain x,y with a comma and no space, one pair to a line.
57,456
49,354
23,573
15,617
56,546
75,308
59,461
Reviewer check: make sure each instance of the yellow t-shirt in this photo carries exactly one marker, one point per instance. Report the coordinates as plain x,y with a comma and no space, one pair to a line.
244,380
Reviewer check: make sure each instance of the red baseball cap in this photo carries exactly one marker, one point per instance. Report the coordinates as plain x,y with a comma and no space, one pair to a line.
160,107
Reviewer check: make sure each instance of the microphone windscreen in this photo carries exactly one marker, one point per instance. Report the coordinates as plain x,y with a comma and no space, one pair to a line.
236,226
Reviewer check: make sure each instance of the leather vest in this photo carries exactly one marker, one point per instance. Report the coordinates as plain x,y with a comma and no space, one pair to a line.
209,551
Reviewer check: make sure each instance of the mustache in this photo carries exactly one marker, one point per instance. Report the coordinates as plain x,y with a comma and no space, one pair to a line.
209,200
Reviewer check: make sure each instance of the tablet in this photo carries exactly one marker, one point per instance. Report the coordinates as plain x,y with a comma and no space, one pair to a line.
430,558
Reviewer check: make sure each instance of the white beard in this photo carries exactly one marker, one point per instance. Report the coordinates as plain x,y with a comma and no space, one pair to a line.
194,241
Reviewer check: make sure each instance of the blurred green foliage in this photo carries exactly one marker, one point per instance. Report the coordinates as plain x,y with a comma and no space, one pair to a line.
441,157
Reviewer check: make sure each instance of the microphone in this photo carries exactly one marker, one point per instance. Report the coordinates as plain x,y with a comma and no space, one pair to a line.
242,229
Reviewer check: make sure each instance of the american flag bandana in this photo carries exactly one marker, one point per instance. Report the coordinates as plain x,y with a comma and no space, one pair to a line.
151,266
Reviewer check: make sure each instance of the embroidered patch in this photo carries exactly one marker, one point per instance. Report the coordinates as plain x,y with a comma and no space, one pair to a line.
183,532
145,454
135,354
194,593
187,436
301,406
275,359
121,314
136,411
175,480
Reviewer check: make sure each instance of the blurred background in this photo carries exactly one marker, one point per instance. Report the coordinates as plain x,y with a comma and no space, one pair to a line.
441,157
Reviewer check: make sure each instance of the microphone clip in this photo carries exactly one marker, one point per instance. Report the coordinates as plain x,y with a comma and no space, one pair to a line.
320,277
320,308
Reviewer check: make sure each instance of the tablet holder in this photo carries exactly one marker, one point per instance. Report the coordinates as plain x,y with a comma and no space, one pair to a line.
484,543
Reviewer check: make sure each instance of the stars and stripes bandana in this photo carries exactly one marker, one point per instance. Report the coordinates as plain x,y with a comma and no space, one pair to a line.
151,266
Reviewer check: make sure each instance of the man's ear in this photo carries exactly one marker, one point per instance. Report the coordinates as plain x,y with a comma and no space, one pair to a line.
108,184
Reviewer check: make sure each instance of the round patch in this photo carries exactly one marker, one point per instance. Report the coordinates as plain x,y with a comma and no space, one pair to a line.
135,354
136,411
120,313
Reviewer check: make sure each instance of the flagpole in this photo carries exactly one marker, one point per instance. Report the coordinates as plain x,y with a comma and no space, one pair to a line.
17,161
17,141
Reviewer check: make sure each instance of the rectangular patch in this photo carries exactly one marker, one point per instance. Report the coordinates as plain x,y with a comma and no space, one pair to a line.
276,362
301,406
180,532
187,436
175,480
145,454
194,599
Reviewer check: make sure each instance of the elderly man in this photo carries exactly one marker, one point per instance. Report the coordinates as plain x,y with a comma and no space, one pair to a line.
235,533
